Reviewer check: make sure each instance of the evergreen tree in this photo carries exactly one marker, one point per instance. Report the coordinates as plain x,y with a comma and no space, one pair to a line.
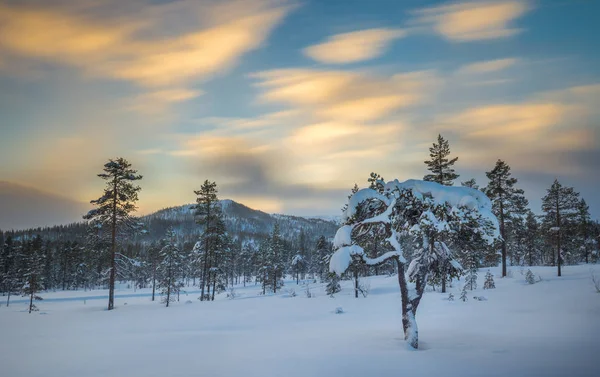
207,212
114,209
470,184
529,277
532,238
584,225
440,165
463,294
560,206
11,255
489,281
33,271
274,260
507,201
169,268
333,284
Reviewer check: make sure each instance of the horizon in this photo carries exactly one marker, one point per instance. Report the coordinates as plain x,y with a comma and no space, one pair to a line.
287,104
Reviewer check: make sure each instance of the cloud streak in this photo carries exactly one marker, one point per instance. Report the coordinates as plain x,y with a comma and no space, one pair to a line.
354,46
473,20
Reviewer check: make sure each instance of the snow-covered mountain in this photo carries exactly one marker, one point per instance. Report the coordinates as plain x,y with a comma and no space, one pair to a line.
241,222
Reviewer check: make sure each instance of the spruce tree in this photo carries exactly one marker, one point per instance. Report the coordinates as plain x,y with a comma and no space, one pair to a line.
10,261
560,206
507,201
532,238
333,284
207,213
33,271
584,221
440,165
471,183
169,268
114,208
489,281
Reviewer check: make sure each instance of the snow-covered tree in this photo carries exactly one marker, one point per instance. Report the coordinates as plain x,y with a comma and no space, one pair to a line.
415,212
584,226
440,165
560,206
297,265
169,269
463,294
333,284
9,263
208,215
508,201
471,183
529,277
114,208
489,281
32,273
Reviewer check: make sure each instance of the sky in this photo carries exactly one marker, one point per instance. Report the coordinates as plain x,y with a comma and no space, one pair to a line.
287,104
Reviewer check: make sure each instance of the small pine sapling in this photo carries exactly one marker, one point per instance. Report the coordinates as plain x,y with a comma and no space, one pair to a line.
489,281
450,297
463,294
333,284
529,277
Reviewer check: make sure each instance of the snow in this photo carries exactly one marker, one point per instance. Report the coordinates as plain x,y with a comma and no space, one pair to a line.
547,329
343,237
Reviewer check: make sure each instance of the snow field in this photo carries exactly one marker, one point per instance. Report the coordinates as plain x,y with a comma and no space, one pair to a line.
550,328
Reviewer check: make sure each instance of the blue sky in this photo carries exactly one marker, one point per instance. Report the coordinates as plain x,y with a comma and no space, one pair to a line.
288,104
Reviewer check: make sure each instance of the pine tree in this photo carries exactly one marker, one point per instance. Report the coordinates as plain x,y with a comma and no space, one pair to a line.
440,165
532,237
529,278
489,281
507,201
33,271
274,259
169,268
463,294
11,255
584,221
560,206
207,212
471,277
333,284
114,209
471,183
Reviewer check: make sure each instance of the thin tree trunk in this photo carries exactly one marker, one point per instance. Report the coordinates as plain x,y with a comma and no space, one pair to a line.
559,259
356,283
503,235
111,281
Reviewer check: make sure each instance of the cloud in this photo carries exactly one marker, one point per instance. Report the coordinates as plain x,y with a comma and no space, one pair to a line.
148,45
342,95
488,66
474,20
354,47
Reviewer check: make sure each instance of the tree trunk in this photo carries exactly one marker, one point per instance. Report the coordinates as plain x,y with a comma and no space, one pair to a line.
356,283
8,298
502,234
409,323
153,283
559,256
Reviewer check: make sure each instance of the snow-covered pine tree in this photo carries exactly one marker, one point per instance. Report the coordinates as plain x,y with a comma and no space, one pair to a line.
440,165
507,200
584,221
463,294
297,266
532,239
33,270
333,284
560,208
489,281
169,269
10,260
471,183
114,208
529,277
274,259
414,213
471,276
207,212
323,253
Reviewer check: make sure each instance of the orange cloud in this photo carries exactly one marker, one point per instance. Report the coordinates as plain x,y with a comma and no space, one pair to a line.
146,46
472,21
342,95
354,47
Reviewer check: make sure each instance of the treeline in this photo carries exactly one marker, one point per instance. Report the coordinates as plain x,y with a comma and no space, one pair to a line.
113,245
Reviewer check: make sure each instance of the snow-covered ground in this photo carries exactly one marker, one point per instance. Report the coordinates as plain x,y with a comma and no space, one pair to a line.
551,328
